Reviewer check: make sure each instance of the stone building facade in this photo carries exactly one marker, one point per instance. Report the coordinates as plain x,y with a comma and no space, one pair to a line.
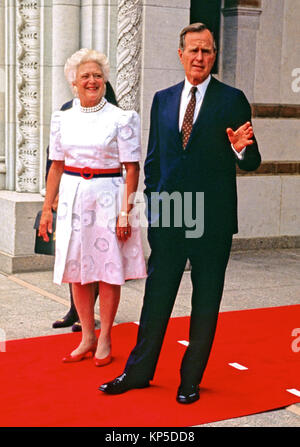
259,52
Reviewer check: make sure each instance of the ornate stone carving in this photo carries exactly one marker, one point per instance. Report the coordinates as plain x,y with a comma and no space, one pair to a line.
129,54
27,95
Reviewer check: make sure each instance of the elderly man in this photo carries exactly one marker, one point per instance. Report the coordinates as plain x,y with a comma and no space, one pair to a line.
199,130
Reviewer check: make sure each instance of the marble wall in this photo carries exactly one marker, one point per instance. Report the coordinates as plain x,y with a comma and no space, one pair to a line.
264,64
277,52
277,60
269,206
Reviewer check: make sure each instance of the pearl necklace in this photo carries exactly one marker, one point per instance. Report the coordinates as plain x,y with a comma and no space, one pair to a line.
99,106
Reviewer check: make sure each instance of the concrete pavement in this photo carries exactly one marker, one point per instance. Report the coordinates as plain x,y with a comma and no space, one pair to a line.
30,302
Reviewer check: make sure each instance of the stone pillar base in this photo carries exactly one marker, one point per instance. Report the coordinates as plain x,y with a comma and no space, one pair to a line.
17,236
17,264
265,243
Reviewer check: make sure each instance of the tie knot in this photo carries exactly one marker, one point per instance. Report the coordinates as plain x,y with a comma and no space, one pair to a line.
193,91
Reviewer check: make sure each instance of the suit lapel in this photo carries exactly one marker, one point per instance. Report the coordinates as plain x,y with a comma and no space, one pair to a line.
173,110
206,113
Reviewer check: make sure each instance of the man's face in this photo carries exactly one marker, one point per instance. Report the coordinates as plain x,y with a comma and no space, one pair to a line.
198,56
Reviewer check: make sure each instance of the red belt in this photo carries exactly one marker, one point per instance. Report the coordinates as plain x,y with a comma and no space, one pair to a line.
88,173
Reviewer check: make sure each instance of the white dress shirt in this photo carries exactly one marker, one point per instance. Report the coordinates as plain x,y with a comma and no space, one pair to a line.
185,98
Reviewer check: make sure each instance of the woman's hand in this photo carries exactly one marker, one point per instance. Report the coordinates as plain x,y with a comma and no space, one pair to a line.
46,223
55,203
54,176
242,137
123,227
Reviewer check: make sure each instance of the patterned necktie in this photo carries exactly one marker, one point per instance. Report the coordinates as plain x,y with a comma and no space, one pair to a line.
188,118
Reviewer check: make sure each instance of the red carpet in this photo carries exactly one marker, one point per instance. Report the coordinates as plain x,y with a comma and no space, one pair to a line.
38,390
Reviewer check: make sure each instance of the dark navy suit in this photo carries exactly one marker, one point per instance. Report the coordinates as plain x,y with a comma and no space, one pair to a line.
208,165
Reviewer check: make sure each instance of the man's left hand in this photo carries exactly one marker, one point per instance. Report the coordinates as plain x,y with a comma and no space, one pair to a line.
242,137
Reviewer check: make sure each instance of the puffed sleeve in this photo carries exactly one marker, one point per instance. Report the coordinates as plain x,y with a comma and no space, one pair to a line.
129,136
55,150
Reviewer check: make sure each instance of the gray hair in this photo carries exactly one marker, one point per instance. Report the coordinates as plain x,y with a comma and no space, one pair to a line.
82,56
194,28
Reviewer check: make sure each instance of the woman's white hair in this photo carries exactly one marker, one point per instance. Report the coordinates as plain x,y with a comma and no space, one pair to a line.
82,56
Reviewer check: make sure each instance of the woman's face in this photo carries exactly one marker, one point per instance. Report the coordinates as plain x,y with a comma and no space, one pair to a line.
90,84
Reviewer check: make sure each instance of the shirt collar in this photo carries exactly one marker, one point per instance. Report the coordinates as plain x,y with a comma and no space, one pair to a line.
200,87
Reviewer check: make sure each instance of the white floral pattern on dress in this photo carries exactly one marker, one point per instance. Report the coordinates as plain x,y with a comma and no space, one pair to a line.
87,246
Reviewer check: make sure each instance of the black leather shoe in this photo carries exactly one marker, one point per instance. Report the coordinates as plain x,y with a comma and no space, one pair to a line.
67,320
187,394
77,327
122,384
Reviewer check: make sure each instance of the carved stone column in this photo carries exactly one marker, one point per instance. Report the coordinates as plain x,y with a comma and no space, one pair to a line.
27,95
129,53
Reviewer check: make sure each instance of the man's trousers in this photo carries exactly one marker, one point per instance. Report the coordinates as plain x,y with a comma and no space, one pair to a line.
170,251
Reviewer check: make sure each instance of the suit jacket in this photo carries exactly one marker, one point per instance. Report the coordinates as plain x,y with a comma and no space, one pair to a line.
208,164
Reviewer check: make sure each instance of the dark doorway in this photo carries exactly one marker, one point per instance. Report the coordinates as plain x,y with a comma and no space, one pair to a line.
208,12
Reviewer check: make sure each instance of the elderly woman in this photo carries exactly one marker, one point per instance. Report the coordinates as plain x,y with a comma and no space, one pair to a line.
97,234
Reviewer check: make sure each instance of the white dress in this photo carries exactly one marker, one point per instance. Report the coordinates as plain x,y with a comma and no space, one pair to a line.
87,247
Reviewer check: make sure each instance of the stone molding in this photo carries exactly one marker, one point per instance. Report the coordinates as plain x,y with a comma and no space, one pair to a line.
265,243
241,11
242,3
242,8
275,110
274,168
